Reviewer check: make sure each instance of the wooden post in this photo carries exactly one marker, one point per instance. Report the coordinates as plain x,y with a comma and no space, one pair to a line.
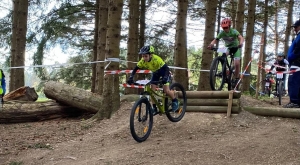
229,103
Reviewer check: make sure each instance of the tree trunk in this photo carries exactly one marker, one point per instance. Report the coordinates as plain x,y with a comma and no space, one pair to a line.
288,26
95,49
207,55
112,50
239,24
73,96
132,42
181,44
249,41
19,111
102,29
18,52
264,46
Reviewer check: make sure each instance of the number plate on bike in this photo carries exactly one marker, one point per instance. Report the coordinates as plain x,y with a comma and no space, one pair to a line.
279,75
222,50
267,84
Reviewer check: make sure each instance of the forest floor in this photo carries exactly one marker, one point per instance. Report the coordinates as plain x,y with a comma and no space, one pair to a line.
199,138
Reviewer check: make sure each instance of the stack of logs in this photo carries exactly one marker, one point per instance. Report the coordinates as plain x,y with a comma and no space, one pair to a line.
212,101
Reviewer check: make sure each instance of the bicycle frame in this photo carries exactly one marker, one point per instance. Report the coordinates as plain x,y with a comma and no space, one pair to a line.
229,66
160,105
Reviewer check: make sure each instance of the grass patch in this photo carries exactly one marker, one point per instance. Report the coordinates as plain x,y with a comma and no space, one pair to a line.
41,145
15,163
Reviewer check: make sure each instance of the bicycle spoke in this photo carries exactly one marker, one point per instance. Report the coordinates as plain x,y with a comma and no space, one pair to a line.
141,120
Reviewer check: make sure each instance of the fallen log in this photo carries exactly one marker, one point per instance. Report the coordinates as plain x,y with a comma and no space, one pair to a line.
73,96
21,111
212,109
271,111
23,93
210,95
211,102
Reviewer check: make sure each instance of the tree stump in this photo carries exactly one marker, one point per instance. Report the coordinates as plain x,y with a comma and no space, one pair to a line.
23,94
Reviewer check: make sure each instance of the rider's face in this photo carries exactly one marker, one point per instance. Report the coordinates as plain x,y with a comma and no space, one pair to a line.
146,57
226,29
296,29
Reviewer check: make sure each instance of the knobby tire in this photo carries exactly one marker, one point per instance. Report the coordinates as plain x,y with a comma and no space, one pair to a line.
217,71
177,115
141,113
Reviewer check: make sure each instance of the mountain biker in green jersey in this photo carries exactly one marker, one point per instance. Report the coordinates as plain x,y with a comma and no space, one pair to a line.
159,69
234,41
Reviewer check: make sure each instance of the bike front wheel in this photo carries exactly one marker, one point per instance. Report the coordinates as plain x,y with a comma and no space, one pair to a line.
216,75
280,91
267,91
141,120
180,94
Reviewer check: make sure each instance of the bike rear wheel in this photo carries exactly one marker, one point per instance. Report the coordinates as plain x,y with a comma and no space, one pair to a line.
141,120
280,91
180,94
231,79
216,75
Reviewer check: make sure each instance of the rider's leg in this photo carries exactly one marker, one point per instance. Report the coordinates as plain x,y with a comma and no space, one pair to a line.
237,63
237,66
171,94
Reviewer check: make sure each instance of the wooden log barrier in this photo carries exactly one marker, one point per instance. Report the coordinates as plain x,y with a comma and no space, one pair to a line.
212,109
209,95
211,102
271,111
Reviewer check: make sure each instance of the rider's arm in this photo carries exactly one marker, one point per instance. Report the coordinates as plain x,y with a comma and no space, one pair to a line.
213,42
272,67
241,39
134,71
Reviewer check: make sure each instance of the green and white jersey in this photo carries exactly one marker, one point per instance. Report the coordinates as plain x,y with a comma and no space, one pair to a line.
230,38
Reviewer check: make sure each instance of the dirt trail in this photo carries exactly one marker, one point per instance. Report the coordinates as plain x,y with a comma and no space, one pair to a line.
200,138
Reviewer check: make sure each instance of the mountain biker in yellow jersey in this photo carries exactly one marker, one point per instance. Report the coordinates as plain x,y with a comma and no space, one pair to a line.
159,69
234,41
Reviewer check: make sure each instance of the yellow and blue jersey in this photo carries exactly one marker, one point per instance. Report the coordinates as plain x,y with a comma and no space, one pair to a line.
154,64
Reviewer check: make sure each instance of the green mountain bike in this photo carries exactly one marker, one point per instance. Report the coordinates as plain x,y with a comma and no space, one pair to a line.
141,116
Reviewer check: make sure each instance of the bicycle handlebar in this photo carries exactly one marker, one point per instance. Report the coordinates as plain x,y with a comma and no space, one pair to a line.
216,48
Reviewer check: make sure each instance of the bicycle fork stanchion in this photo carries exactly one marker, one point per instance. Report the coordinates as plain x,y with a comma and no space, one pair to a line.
242,74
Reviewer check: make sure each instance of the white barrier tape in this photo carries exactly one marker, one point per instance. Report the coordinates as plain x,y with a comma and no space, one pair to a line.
136,86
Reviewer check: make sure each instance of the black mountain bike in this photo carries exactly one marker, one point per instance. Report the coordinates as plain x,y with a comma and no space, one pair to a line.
222,71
